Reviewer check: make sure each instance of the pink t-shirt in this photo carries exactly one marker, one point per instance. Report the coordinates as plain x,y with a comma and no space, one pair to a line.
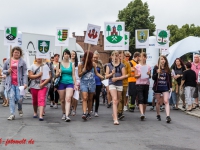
14,66
196,68
144,81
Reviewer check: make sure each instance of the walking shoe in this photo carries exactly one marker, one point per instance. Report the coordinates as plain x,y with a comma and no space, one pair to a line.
152,108
142,117
11,117
96,114
56,106
168,119
158,117
88,116
120,116
20,113
41,119
84,117
73,112
63,117
51,104
125,108
161,108
67,119
132,109
109,105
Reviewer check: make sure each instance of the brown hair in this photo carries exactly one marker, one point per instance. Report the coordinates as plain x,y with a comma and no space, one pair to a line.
17,48
89,64
136,54
166,66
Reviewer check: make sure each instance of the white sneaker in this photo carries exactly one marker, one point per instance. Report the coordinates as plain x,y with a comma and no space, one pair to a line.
96,114
63,117
56,106
51,105
11,117
125,108
67,119
20,113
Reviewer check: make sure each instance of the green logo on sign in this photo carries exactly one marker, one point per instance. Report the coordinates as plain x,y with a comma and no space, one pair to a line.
43,46
62,34
11,33
142,36
126,38
162,37
114,34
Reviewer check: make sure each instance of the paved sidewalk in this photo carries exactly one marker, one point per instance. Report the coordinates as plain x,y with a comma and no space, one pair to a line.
194,112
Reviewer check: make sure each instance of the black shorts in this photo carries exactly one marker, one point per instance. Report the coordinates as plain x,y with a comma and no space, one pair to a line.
143,92
160,92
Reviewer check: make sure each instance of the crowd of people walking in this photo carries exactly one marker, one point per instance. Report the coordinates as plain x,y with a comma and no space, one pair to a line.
127,85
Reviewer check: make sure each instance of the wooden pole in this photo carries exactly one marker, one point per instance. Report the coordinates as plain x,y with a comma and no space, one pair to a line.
10,60
142,50
114,64
60,53
159,64
87,56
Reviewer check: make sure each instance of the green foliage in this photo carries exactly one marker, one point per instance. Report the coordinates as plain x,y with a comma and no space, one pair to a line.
8,31
119,28
108,28
136,16
177,34
163,34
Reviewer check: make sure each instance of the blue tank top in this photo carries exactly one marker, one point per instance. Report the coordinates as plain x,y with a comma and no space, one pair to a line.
66,74
97,79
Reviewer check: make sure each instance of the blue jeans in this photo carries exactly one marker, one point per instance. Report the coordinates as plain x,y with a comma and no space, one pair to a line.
173,98
14,95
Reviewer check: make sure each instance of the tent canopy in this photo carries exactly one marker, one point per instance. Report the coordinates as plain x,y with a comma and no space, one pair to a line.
190,44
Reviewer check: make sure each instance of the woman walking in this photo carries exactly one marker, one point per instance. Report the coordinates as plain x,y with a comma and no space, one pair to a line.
87,84
142,83
74,60
39,86
67,83
100,70
16,75
162,85
115,72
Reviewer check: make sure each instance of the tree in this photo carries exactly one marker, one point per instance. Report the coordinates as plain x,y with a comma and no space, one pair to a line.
8,31
136,16
59,34
162,34
119,28
108,28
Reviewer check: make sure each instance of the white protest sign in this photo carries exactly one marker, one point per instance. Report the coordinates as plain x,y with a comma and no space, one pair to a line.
10,36
43,49
164,51
162,38
62,37
92,34
142,38
126,38
114,36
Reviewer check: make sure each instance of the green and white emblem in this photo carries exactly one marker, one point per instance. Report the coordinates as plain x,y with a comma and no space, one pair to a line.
43,46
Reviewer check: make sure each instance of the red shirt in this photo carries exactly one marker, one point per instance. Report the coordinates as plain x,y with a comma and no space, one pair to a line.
14,66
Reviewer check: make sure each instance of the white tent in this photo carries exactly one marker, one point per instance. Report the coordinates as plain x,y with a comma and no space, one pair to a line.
187,45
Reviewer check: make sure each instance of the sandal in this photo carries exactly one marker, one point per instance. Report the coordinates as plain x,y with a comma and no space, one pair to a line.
189,109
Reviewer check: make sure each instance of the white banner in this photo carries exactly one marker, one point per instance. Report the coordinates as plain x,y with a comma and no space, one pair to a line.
126,38
43,49
10,36
92,34
62,37
162,38
141,38
164,51
114,36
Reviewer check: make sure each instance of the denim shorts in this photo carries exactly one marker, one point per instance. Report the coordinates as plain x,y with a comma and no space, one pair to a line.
63,86
86,86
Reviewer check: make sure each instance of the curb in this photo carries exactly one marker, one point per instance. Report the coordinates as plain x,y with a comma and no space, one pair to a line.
189,113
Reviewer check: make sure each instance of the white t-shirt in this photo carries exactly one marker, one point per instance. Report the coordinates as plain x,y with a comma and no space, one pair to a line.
35,83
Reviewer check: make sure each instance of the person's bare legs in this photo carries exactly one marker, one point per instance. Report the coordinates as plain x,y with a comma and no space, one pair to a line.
68,97
90,100
62,99
141,107
108,95
167,107
41,110
35,109
84,103
158,98
113,93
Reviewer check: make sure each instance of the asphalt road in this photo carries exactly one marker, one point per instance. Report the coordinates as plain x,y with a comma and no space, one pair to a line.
99,133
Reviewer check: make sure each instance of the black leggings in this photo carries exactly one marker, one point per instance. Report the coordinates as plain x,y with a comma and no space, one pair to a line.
52,93
96,97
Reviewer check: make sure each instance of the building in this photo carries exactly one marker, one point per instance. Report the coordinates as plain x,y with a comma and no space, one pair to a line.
104,55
